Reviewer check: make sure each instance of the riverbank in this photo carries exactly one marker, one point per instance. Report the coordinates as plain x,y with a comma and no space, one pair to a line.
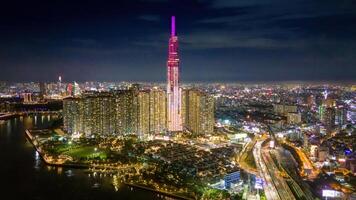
8,116
51,162
158,191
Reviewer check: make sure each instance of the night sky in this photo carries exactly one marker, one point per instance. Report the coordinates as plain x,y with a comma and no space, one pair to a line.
220,40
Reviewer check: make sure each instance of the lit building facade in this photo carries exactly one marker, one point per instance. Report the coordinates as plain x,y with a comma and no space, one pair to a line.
144,112
199,112
294,118
76,89
283,109
126,111
72,114
101,113
328,117
43,90
341,115
152,112
115,113
158,111
27,97
173,90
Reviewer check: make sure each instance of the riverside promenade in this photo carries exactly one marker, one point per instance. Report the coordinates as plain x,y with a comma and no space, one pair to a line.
47,159
52,162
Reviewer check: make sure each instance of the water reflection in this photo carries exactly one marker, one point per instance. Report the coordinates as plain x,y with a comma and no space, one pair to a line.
22,169
28,121
59,170
69,173
37,160
96,185
8,127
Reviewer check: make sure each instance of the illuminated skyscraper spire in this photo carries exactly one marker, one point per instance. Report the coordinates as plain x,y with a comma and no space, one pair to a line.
173,26
173,89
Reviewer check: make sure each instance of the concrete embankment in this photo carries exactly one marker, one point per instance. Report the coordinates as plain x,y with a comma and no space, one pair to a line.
158,191
38,149
8,116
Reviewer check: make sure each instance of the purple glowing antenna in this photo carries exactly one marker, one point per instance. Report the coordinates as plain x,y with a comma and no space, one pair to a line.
173,29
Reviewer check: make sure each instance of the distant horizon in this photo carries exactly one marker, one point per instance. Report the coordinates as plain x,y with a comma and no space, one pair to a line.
198,82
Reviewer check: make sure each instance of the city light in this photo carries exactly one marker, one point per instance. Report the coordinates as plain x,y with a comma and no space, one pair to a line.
225,101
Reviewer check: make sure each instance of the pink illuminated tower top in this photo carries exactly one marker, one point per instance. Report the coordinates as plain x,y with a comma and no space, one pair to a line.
173,28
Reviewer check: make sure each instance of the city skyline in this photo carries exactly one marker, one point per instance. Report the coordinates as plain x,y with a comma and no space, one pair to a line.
229,41
178,99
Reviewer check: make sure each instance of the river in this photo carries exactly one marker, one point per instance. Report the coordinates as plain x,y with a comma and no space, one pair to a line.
24,175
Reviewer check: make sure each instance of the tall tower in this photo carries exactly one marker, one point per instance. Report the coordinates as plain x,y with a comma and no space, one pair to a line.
173,89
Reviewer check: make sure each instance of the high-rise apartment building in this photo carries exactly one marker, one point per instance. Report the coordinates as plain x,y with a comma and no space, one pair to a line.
199,112
158,111
27,97
101,113
126,110
144,112
72,115
43,90
341,115
152,111
133,111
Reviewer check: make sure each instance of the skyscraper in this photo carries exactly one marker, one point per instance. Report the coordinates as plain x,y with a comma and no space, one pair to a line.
76,89
173,89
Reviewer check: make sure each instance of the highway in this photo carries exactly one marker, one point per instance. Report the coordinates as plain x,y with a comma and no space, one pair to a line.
269,187
279,182
275,186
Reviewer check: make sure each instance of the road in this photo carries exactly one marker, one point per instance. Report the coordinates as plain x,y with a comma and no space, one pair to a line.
275,186
279,182
269,187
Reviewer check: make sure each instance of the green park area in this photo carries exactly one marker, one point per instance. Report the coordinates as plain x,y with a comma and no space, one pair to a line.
78,151
86,152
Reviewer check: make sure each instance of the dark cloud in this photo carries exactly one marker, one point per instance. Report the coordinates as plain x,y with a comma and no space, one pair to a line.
153,18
